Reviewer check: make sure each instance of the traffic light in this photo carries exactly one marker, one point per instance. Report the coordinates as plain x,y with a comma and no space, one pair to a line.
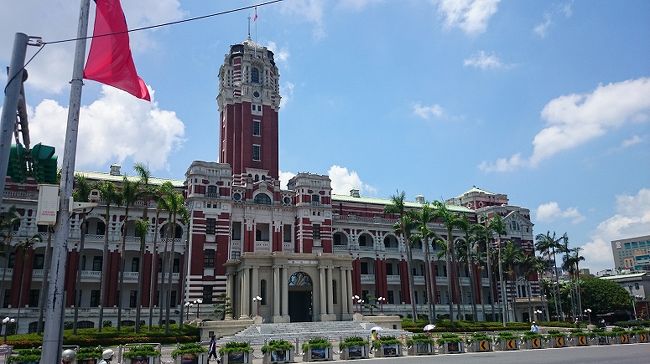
17,168
44,164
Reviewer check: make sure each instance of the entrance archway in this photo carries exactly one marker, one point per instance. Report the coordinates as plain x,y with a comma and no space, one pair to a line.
300,297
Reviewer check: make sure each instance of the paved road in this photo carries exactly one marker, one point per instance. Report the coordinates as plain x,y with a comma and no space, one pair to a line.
619,354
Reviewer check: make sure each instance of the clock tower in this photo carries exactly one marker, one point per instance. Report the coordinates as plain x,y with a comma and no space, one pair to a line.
249,101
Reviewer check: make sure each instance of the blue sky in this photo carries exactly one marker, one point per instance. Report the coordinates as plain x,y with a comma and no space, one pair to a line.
547,101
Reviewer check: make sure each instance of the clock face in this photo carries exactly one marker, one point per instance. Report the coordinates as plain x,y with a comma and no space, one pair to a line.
256,94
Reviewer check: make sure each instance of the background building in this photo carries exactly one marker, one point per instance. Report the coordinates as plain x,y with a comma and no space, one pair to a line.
632,253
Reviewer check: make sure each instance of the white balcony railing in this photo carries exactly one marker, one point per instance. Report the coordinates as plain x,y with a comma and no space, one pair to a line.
418,279
367,279
393,279
6,272
91,274
263,246
131,276
287,246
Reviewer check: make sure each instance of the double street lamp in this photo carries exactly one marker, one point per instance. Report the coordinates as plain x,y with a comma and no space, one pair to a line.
537,312
257,300
198,303
381,301
588,313
356,298
6,321
187,310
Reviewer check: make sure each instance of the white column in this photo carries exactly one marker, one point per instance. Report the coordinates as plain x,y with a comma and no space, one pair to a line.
277,291
229,284
245,296
255,289
330,291
348,273
285,292
323,293
344,292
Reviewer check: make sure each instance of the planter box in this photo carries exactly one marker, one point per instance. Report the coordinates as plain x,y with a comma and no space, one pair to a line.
421,349
641,338
558,342
389,350
190,359
278,357
507,345
355,352
622,339
143,360
582,340
237,357
537,343
481,346
452,348
603,340
87,361
314,354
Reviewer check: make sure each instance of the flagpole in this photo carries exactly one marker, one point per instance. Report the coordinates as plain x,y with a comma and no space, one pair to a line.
53,337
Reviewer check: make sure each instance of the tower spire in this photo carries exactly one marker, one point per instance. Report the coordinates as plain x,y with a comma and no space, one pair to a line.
249,27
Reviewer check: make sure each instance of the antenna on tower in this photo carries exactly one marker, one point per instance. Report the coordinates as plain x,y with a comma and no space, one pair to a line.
249,27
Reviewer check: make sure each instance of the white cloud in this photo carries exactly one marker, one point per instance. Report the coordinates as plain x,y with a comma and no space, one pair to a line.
112,128
344,180
557,11
632,218
503,164
550,211
425,112
575,119
286,91
357,5
284,178
484,61
634,140
281,55
310,11
471,16
51,70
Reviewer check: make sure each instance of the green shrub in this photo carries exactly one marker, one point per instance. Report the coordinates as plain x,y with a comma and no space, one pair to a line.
316,343
25,355
138,351
555,333
276,345
89,353
420,339
579,332
449,338
385,340
505,336
236,347
188,348
528,336
618,329
353,341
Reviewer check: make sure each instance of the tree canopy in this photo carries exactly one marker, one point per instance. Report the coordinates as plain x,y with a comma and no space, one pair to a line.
603,296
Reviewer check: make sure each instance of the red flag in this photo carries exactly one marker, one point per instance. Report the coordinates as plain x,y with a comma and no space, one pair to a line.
110,61
255,17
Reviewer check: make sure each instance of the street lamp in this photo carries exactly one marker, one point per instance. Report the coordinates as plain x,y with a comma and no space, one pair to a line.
187,310
5,322
381,301
537,312
588,312
355,298
198,303
361,305
257,300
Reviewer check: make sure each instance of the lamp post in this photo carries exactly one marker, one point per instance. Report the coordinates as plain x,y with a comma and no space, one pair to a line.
257,300
6,321
198,303
355,298
633,301
537,312
187,310
361,305
588,313
381,301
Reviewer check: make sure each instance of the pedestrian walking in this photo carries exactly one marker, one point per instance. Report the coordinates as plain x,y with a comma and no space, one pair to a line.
212,350
534,328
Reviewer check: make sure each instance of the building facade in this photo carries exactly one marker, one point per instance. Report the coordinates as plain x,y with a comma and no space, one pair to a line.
295,254
632,254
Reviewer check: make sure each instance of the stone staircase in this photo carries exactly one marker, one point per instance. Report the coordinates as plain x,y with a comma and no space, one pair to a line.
332,330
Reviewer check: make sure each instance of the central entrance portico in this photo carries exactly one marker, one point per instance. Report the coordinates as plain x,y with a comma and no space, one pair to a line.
301,297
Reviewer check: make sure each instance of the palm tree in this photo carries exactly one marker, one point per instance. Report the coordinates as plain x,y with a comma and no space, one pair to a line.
141,227
25,247
81,191
173,204
422,218
450,220
8,221
483,234
403,228
159,195
466,226
129,195
108,195
498,227
185,220
146,194
511,255
547,245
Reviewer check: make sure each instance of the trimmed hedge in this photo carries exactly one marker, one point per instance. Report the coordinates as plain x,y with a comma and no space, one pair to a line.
236,347
188,348
111,337
352,341
276,345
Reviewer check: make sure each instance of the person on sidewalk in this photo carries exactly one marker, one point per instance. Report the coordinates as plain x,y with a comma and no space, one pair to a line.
212,350
534,328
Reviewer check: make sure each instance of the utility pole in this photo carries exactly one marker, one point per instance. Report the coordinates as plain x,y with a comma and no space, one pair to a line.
53,337
10,106
504,297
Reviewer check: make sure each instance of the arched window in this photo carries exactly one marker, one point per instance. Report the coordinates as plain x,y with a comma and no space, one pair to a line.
255,75
262,199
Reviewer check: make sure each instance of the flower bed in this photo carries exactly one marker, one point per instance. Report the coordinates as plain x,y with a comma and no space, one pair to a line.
141,354
532,340
317,349
479,342
387,346
277,351
451,344
506,341
236,352
354,348
25,356
89,355
557,339
420,344
188,353
581,338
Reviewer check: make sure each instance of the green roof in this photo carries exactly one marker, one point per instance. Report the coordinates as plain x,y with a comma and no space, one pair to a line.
109,177
384,202
479,190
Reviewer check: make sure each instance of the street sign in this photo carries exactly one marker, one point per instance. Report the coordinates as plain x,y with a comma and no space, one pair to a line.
48,204
484,345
